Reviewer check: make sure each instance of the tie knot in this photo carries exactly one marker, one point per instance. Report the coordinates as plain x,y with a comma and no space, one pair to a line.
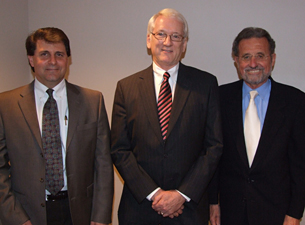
253,94
50,92
166,75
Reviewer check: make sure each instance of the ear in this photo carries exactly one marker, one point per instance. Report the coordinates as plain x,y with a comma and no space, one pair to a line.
184,46
273,59
148,39
235,58
30,58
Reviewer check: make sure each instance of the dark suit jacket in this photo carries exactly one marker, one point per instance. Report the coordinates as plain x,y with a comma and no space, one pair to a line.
275,184
88,162
188,158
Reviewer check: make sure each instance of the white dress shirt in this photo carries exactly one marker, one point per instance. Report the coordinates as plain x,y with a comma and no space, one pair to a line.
158,79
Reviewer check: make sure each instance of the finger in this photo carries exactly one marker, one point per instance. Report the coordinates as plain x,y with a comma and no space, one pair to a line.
180,211
157,207
176,214
157,196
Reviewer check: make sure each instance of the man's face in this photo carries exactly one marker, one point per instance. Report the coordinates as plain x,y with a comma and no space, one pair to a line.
166,53
50,62
254,62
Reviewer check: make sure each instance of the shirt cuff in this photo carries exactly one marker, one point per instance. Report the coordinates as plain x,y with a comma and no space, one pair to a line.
157,189
152,194
184,196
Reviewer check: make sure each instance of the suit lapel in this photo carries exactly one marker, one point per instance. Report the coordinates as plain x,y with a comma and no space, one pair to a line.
181,94
273,121
27,104
148,100
74,110
28,107
235,119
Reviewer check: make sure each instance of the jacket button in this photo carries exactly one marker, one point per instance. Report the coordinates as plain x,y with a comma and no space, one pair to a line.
41,180
42,205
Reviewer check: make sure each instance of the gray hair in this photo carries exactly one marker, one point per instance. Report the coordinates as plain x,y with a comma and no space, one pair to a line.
169,13
252,32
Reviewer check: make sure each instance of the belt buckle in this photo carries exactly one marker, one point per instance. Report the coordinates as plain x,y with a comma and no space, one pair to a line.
59,196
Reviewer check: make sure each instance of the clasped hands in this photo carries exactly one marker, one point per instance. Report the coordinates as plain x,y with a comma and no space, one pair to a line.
168,203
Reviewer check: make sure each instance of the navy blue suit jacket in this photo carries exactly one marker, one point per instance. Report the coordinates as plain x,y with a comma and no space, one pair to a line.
188,158
275,184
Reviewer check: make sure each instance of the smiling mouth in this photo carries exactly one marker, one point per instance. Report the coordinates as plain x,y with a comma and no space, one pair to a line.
165,50
253,71
52,69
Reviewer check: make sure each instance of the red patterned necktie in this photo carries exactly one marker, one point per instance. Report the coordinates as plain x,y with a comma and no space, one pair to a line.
51,143
164,104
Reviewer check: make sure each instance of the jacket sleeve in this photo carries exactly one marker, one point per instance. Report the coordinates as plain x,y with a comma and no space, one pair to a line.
135,177
296,155
103,173
197,180
11,211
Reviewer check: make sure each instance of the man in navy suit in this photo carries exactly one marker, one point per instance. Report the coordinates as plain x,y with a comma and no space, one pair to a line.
166,173
265,186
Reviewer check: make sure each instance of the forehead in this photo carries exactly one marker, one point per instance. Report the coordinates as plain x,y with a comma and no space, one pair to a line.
42,45
253,46
168,24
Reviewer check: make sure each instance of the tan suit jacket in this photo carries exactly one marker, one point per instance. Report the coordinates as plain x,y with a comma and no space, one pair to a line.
88,162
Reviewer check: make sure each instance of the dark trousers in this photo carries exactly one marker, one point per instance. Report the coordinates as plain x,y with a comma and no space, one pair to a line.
58,212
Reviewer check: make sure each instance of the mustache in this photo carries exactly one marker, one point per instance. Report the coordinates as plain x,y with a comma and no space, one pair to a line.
248,68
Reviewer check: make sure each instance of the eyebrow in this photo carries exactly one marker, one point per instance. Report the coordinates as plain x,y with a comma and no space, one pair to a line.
262,53
175,32
43,51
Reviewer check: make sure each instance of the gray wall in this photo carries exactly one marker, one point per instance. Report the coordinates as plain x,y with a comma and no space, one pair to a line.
14,28
108,39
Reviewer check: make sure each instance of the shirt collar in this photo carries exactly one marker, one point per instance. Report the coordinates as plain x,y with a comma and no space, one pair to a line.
59,89
159,72
263,91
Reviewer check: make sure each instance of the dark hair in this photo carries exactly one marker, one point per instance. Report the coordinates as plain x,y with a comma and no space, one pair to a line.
252,32
48,34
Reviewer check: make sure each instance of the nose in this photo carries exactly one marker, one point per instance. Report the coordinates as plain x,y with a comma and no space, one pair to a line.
253,62
167,40
52,59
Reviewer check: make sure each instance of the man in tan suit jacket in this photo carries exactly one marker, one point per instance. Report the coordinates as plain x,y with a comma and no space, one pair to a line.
86,197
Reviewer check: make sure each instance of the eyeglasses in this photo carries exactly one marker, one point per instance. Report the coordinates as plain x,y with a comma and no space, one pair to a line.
161,36
258,57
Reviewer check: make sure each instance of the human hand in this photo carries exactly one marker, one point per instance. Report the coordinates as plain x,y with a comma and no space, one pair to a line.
291,221
214,214
168,203
27,223
177,213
